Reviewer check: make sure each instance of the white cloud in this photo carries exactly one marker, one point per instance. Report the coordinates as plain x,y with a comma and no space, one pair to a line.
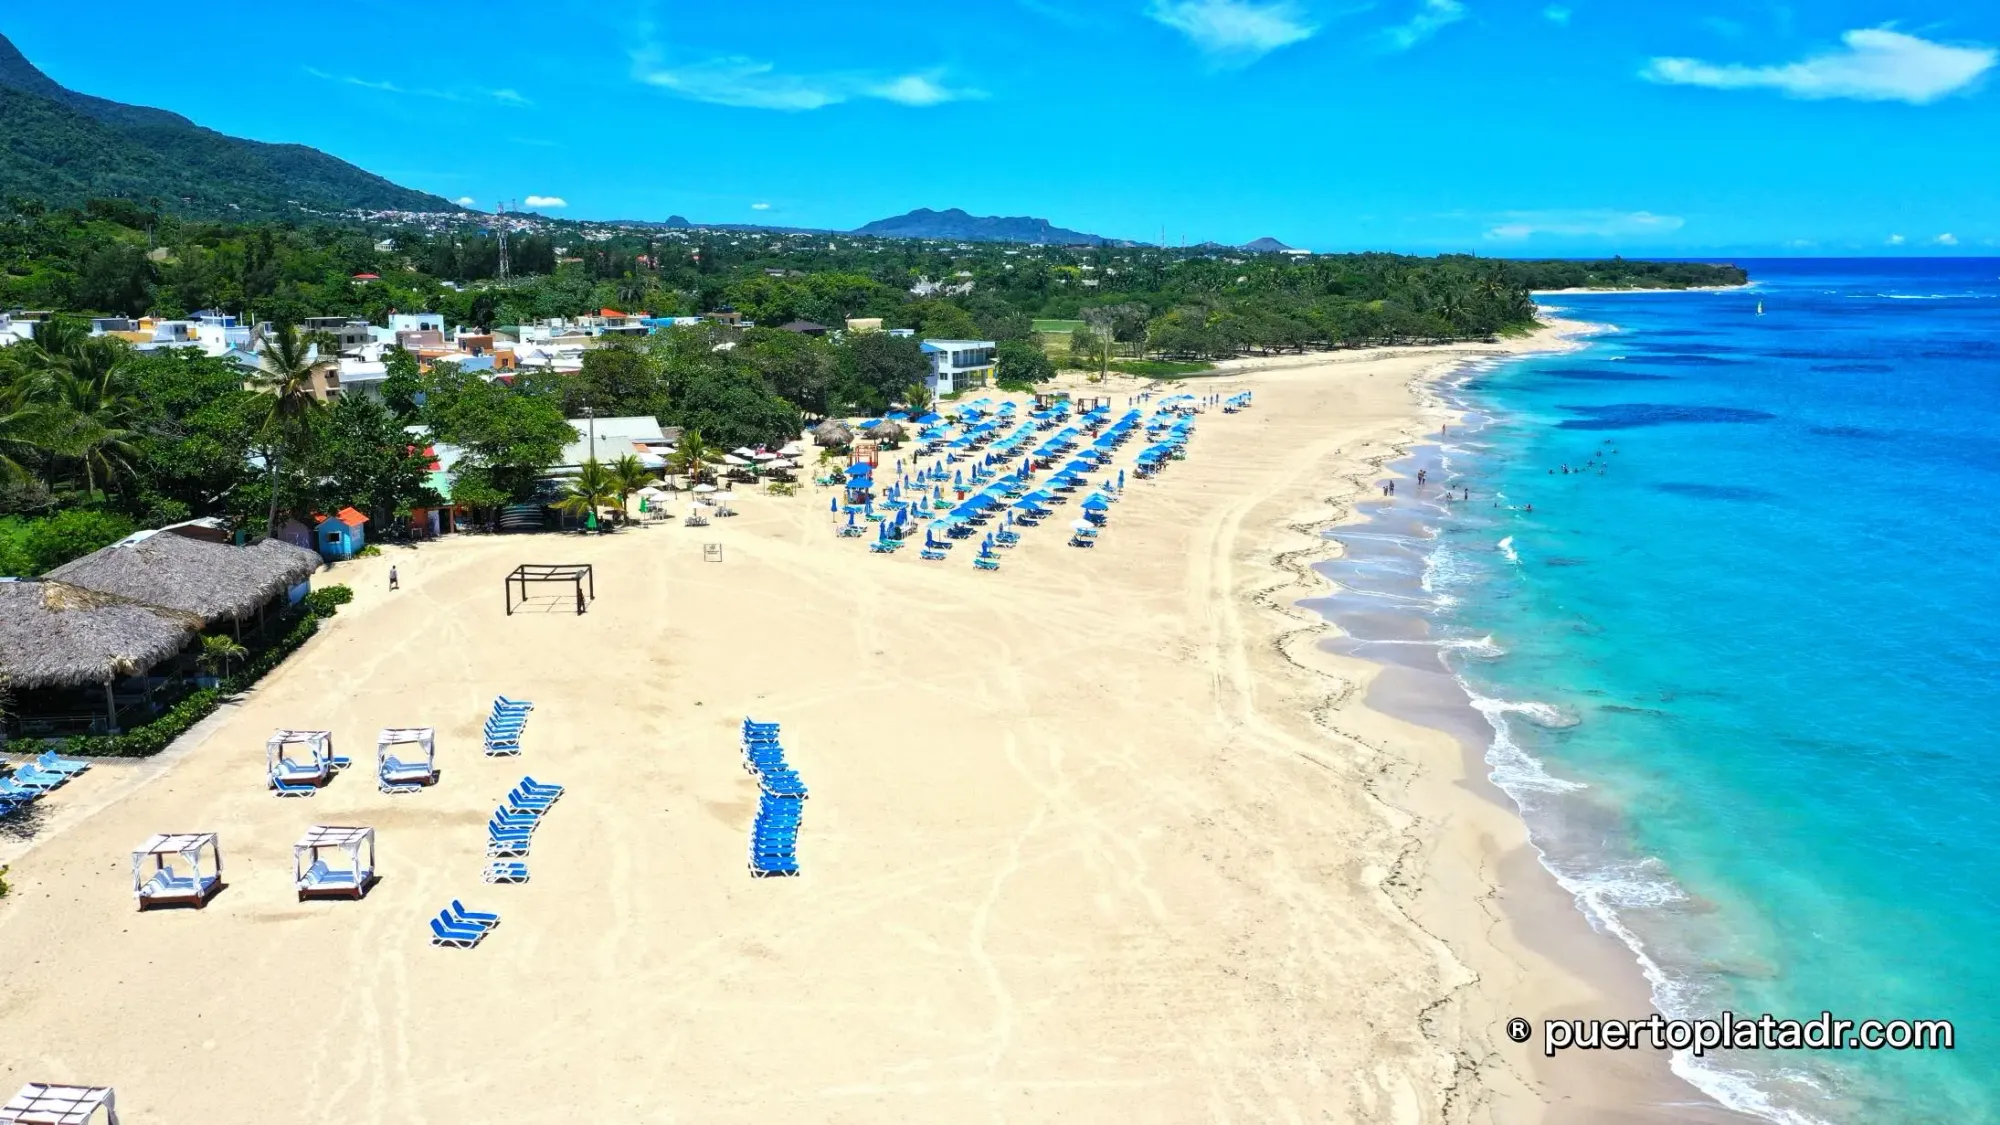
751,84
1556,13
1517,226
1237,31
1897,240
760,207
545,201
509,97
1947,240
1432,17
466,201
1876,64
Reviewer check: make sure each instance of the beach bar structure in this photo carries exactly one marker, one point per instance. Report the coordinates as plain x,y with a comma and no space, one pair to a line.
348,876
63,648
169,870
313,766
395,773
40,1103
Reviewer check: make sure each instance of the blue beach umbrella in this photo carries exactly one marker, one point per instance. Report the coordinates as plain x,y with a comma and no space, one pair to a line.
833,504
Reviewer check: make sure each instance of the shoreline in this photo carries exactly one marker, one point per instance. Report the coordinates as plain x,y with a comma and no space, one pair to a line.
1531,949
1108,835
1574,290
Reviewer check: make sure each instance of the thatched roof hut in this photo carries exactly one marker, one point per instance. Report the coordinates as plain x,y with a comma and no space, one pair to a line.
889,433
833,433
214,581
53,634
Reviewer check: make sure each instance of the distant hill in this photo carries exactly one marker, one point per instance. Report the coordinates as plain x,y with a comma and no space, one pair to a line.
956,224
1266,245
61,147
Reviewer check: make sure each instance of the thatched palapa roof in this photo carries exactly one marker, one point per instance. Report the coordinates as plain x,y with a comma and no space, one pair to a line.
214,581
889,431
833,432
53,634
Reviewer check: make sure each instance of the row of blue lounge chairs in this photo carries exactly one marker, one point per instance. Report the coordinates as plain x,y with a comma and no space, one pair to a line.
32,780
459,928
504,726
512,826
774,835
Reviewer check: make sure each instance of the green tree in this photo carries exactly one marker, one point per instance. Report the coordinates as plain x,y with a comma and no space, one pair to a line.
285,373
875,369
1022,364
691,456
628,475
619,380
797,367
72,534
509,434
360,455
217,652
590,489
733,406
402,382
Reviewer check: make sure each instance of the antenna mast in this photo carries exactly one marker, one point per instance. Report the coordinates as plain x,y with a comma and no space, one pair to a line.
506,272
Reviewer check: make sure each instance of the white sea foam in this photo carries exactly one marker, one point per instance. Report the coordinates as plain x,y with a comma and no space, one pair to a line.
1507,549
1513,767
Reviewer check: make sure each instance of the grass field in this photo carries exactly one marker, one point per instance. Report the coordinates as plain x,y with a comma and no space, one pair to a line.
1065,327
1159,368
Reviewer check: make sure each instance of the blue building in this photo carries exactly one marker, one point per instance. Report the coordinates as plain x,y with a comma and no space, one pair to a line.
340,535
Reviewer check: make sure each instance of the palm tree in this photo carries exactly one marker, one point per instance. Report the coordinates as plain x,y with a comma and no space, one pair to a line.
23,433
628,475
689,456
286,374
92,414
217,652
588,490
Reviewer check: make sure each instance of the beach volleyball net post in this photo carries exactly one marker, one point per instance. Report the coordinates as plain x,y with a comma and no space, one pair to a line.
579,575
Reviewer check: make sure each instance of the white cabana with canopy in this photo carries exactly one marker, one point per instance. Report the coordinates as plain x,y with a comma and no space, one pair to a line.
397,774
349,876
314,765
40,1103
177,875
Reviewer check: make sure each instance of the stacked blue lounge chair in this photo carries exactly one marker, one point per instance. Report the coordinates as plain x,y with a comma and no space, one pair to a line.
32,781
504,725
459,928
511,829
774,835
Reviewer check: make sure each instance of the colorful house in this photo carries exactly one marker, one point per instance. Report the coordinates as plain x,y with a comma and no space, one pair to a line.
340,535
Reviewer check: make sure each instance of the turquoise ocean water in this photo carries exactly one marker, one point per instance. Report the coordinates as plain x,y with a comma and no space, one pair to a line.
1742,662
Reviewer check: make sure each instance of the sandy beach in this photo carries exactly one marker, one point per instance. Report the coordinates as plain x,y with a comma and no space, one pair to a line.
1104,836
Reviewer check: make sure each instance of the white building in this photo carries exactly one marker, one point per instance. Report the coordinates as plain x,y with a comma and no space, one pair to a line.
958,364
15,331
415,322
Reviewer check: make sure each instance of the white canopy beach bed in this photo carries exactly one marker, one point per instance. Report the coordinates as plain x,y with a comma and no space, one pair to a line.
313,767
396,774
39,1103
171,883
349,877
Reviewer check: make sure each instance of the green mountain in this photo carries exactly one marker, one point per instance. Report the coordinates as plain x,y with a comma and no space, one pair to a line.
61,148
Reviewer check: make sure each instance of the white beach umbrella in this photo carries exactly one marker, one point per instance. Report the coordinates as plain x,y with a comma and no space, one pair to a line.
704,488
1084,525
733,459
652,490
760,456
791,449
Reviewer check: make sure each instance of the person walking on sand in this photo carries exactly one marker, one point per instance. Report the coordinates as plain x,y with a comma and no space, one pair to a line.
1420,477
394,584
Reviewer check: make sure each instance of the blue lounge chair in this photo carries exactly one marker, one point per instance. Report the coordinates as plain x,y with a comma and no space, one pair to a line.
459,913
882,546
508,847
986,564
52,762
282,788
934,555
517,798
339,761
501,702
29,775
456,937
506,871
530,785
12,791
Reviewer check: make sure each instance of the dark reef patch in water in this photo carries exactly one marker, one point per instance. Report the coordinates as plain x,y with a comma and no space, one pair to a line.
1856,433
1679,360
1633,415
1561,560
1856,368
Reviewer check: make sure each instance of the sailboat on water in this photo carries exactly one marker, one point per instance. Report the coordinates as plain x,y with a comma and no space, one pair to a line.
1760,308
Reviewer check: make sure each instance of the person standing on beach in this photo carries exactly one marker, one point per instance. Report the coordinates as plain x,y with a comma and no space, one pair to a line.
1420,477
393,583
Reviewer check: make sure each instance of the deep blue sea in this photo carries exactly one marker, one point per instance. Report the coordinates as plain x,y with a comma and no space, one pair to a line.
1744,656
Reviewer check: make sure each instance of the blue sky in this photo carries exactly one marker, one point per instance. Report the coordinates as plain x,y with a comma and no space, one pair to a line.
1497,126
